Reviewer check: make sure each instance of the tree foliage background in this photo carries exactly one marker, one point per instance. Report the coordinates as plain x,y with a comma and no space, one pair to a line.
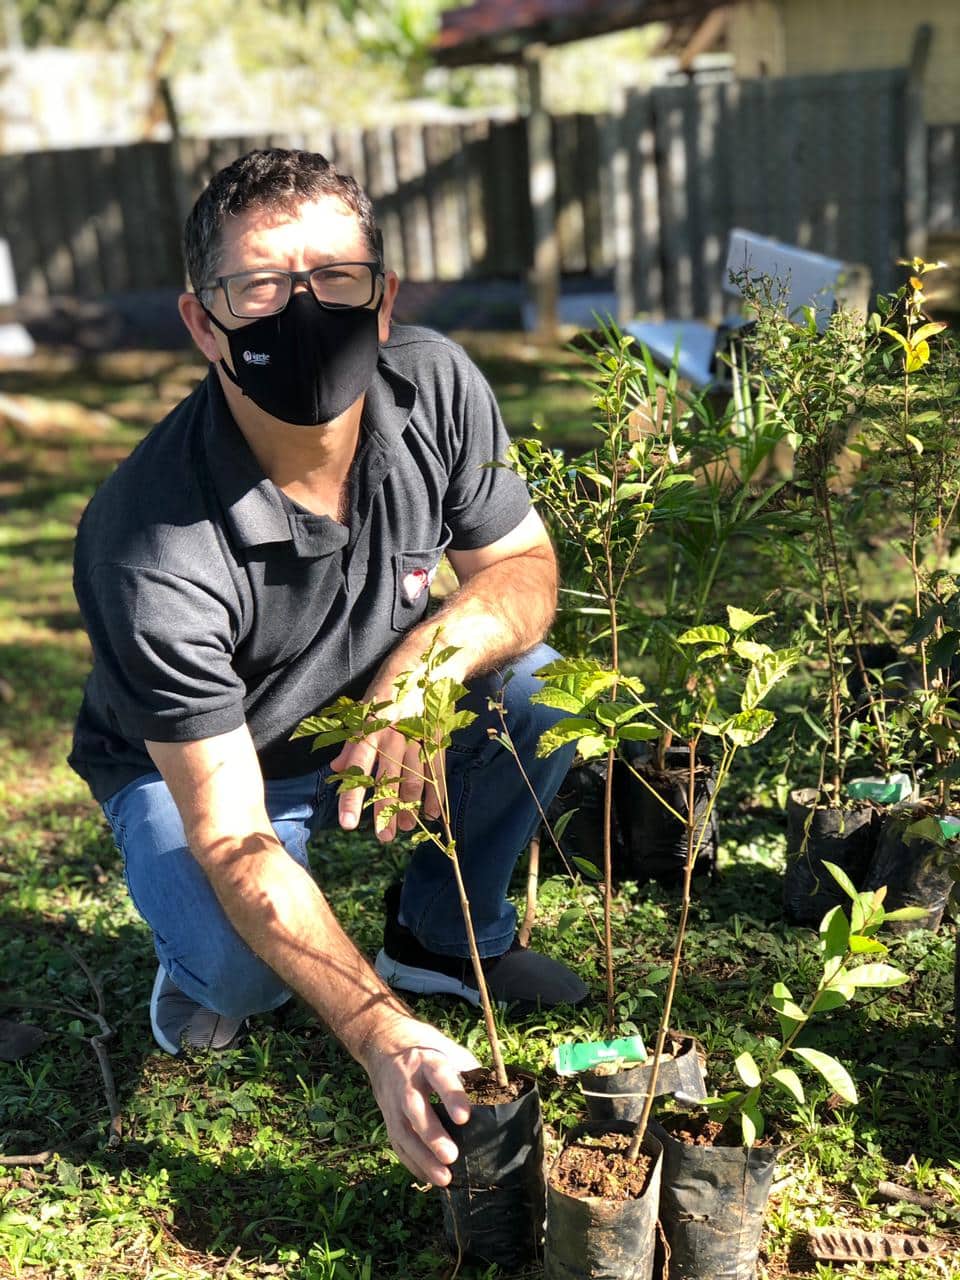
299,62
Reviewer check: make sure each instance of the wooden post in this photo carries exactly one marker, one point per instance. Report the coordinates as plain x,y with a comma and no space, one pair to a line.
915,147
545,277
622,209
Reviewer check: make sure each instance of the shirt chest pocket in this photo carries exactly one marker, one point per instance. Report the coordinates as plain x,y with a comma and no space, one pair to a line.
413,571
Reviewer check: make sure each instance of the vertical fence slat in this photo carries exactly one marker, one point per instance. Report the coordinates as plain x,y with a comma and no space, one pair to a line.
475,140
569,195
414,207
648,284
944,184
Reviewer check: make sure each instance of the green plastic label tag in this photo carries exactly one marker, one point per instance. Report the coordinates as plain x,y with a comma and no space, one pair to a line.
949,826
881,790
568,1059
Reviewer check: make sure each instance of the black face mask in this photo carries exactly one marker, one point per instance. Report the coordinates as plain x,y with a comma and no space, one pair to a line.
305,365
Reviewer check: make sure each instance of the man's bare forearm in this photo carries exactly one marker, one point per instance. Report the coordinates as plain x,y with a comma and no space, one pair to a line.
270,900
283,916
500,612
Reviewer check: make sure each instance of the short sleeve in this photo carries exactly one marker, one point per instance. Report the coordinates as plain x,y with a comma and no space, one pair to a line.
163,654
483,502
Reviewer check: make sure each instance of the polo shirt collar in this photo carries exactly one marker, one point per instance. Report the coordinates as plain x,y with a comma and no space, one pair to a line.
254,506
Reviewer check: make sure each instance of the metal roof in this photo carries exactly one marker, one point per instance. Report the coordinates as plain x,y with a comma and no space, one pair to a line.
501,30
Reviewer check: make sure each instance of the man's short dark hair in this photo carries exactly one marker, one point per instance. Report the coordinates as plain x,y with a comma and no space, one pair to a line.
274,179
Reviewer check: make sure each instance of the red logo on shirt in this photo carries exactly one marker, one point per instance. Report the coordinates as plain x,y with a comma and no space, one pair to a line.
416,582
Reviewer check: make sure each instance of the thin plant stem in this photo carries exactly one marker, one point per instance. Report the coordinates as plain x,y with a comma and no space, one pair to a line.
437,779
533,879
694,844
834,689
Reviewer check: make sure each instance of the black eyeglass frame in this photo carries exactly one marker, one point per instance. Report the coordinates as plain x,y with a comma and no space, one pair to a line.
299,277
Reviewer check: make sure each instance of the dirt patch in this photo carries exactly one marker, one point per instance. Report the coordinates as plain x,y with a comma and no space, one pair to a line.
597,1166
482,1087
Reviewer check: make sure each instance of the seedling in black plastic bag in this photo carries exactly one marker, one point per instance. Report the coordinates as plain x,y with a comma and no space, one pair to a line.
844,942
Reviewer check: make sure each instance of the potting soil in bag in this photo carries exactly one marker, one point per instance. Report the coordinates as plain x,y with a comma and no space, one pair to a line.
712,1205
591,1238
495,1205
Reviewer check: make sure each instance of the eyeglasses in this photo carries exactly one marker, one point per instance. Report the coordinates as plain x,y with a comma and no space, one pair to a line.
336,286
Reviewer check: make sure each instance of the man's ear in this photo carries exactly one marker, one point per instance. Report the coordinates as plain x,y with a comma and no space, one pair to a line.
391,283
198,323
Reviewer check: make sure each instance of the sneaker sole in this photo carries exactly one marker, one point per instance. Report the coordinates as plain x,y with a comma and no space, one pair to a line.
166,1045
422,982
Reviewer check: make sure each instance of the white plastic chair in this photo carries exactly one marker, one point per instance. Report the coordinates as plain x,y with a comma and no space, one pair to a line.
806,279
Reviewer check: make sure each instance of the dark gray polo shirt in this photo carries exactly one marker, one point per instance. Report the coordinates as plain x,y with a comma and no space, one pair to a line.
212,600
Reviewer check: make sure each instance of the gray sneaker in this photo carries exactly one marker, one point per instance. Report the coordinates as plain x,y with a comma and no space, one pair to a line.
180,1023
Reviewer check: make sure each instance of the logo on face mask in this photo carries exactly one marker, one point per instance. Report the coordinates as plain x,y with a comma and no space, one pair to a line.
309,364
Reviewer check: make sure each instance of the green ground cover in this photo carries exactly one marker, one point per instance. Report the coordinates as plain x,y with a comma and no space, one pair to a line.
271,1160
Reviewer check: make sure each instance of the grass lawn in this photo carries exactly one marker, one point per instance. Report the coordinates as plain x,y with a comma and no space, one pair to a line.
271,1159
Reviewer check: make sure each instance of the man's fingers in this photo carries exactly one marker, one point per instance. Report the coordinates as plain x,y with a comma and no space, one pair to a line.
411,784
434,772
425,1123
418,1159
447,1085
350,805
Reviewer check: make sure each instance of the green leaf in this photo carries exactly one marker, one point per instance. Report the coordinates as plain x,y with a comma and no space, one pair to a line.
925,829
352,779
814,725
586,867
748,727
747,1069
907,913
835,1074
740,620
892,333
832,997
945,649
638,732
630,490
787,1007
834,934
714,651
789,1081
860,945
748,1125
560,699
704,635
928,330
657,974
569,729
842,879
561,824
877,975
764,675
751,650
325,738
569,918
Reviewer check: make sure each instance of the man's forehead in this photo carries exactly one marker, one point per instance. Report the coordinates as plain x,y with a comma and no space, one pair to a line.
326,227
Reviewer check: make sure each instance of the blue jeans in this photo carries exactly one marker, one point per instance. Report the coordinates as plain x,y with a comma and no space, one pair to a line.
494,818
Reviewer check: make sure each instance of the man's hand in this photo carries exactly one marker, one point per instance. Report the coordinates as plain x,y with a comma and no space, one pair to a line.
387,754
405,1067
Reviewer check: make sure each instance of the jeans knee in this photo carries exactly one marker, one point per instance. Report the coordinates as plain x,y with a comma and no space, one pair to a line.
235,985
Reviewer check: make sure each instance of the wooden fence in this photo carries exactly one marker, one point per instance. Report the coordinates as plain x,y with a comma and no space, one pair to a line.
648,194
